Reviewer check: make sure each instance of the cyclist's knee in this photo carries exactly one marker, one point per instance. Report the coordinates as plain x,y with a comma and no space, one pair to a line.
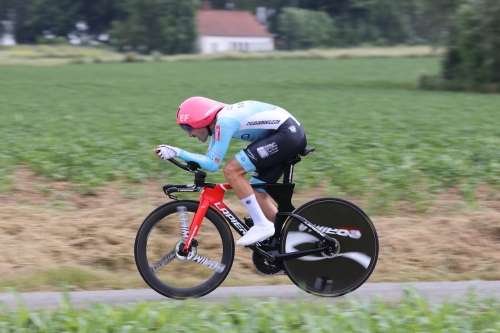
233,169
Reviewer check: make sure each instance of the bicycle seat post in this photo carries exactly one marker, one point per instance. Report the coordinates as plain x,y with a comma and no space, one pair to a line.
288,174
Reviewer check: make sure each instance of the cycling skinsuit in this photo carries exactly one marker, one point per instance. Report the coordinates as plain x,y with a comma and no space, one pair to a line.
275,134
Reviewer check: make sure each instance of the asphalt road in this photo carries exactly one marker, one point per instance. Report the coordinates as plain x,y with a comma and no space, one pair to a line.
432,291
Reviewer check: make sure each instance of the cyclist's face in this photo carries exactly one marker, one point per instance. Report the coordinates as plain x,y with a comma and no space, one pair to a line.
200,133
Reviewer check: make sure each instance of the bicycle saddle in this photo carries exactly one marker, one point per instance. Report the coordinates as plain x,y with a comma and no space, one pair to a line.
307,150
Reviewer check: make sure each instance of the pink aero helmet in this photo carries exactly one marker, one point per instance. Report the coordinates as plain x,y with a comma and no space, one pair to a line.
197,112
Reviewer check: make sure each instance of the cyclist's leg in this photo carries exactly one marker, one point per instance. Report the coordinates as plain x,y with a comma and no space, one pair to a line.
266,205
270,175
266,157
263,228
234,174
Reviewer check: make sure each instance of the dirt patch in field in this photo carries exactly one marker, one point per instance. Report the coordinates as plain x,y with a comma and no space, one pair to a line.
47,225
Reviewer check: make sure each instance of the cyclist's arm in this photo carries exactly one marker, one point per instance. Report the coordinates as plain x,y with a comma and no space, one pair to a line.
224,130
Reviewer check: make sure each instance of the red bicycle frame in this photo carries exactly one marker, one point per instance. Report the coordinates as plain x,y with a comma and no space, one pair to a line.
211,197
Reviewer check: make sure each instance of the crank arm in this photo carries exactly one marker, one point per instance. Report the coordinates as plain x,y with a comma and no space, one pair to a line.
267,255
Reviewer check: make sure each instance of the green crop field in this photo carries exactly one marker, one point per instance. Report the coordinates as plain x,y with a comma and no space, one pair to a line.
412,314
375,133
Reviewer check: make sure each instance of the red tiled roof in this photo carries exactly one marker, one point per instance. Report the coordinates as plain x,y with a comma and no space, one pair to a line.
229,23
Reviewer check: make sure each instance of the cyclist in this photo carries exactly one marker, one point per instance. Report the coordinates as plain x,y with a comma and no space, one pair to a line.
275,137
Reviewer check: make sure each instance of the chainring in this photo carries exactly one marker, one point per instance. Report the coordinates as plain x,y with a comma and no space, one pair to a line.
266,267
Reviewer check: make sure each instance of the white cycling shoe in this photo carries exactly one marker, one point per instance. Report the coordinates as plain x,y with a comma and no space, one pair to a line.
257,233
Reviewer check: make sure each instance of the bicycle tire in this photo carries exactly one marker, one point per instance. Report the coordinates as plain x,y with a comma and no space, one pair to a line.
157,237
357,237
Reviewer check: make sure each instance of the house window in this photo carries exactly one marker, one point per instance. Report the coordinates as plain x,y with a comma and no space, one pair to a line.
240,46
214,47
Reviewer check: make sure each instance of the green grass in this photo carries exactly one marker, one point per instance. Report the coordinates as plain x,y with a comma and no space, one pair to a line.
74,278
376,134
412,314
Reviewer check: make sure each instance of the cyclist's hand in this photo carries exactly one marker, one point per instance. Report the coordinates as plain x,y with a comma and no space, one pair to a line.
166,152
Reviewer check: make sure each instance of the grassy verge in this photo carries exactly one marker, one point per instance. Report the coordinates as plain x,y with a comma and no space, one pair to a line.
72,278
57,55
412,314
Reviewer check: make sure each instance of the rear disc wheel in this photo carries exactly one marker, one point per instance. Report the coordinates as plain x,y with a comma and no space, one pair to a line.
330,274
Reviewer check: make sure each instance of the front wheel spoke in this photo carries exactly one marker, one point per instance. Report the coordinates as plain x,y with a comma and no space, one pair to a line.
165,260
212,264
183,221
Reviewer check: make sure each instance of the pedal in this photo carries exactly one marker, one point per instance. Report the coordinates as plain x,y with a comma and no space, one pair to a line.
248,222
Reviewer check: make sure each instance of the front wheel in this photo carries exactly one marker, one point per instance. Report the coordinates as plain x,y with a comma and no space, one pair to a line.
327,274
176,275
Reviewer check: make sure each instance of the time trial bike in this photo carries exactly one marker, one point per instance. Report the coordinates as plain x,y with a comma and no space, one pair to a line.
327,246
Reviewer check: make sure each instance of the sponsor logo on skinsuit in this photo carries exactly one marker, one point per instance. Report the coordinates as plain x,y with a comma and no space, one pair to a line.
267,150
249,153
217,160
217,133
245,136
263,122
292,129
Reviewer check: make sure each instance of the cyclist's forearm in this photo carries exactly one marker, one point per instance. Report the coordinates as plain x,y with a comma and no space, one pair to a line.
204,161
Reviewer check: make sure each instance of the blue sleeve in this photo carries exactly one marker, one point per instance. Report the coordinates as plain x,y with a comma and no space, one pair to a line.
224,131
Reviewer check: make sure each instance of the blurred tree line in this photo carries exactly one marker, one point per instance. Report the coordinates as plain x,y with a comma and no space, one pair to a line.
472,58
169,25
166,26
473,49
38,18
469,28
355,22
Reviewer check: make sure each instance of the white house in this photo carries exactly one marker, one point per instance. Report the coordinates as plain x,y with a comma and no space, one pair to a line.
226,30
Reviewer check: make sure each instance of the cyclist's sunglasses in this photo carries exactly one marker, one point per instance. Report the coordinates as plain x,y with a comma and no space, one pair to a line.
186,127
